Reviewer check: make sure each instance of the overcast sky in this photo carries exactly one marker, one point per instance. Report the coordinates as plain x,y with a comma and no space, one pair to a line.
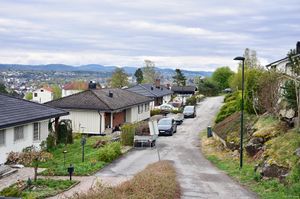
188,34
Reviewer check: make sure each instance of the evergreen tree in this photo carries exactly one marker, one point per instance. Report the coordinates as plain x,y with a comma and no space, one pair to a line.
139,75
179,79
3,88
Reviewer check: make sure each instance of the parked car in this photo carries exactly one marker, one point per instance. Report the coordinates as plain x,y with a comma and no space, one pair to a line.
167,126
166,108
178,118
189,111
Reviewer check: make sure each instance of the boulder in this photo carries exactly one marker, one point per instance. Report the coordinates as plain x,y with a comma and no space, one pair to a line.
290,114
273,171
297,152
254,145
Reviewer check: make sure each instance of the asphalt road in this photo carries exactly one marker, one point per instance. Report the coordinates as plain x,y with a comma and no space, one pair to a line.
198,178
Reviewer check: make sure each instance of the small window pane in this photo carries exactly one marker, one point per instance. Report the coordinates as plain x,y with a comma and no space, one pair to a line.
36,131
18,133
2,137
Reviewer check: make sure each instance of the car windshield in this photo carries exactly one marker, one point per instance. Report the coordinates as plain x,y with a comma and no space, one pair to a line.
164,122
188,109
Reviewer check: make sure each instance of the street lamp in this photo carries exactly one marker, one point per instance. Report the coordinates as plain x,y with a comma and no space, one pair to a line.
242,111
64,152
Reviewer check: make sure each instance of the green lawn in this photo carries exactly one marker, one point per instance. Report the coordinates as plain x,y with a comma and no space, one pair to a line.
55,166
42,188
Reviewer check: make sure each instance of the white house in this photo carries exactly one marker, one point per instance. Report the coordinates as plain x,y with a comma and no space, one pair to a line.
23,123
42,95
282,65
159,93
73,88
92,111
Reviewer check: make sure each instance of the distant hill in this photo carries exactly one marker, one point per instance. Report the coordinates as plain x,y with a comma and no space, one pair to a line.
95,68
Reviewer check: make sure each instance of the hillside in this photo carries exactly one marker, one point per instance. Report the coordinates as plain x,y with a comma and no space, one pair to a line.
95,68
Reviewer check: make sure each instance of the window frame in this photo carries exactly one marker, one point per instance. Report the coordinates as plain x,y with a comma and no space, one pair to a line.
38,131
4,137
18,138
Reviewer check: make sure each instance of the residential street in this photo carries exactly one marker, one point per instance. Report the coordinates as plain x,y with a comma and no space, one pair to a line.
198,178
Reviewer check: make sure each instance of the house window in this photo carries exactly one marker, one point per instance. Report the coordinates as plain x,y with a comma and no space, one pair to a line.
35,94
140,109
2,137
18,133
146,107
36,131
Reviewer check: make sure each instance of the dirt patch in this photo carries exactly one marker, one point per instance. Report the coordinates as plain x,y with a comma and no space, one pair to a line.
158,180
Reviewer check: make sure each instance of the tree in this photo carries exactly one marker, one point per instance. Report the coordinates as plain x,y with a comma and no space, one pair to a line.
149,73
119,78
56,91
208,87
28,96
294,65
222,77
139,75
179,79
3,89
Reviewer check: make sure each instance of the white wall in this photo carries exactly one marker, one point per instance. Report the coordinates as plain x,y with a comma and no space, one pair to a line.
42,95
85,121
166,99
65,93
18,146
133,115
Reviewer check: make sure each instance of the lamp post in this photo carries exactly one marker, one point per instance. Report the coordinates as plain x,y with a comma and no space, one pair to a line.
83,141
64,158
242,111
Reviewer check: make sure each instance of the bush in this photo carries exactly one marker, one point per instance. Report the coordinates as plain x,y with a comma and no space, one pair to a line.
11,192
191,101
110,152
232,105
155,112
127,135
50,142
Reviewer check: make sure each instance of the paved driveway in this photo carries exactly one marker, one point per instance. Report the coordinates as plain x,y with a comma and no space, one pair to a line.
198,178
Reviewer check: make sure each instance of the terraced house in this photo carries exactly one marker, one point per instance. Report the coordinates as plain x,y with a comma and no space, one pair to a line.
23,123
95,110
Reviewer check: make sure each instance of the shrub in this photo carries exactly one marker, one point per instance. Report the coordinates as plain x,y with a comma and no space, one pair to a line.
232,105
191,101
110,152
11,191
127,135
155,112
50,142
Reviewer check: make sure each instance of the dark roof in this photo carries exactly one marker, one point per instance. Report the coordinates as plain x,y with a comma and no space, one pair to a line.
15,111
150,90
276,62
183,89
99,99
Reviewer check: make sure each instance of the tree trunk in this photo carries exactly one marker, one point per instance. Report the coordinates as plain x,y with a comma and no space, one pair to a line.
35,172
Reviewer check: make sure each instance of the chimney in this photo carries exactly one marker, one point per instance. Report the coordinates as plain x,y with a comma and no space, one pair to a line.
92,85
110,94
168,86
298,47
157,83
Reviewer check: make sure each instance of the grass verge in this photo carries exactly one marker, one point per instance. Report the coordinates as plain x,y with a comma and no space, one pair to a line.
41,188
228,162
157,181
92,161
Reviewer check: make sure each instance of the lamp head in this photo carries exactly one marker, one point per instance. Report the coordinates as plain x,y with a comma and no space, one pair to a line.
239,58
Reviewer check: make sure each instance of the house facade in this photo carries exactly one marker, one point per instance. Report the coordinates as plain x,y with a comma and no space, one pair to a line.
73,88
183,92
159,93
282,65
93,111
42,95
23,124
